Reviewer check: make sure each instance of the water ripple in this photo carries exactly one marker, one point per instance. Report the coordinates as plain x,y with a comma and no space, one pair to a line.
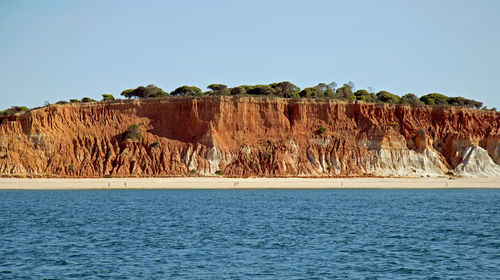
247,234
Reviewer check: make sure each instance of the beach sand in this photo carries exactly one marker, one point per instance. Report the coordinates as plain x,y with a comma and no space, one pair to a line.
246,183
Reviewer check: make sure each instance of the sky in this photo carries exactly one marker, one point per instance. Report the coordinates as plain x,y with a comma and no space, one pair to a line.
57,50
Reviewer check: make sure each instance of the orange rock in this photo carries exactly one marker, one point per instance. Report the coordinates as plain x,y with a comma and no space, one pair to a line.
243,136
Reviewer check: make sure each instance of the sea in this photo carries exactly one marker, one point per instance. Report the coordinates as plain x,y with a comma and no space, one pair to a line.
250,234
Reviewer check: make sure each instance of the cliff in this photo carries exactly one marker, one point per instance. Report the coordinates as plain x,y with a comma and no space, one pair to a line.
243,136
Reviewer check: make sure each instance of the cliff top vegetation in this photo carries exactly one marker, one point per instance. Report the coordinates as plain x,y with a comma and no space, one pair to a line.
283,89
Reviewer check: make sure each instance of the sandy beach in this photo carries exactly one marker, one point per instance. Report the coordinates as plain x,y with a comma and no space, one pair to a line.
246,183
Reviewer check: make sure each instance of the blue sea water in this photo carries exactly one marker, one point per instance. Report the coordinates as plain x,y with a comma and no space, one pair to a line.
250,234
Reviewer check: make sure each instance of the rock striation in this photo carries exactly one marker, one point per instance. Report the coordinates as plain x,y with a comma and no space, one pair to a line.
250,136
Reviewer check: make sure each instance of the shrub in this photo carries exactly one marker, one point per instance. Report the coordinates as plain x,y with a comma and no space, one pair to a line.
108,97
62,102
133,132
14,110
155,145
219,172
266,154
74,101
193,171
321,130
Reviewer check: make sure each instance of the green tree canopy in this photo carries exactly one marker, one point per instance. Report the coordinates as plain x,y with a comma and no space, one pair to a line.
241,90
387,97
434,99
187,91
219,89
285,89
310,92
88,99
345,92
107,97
461,101
326,90
411,99
364,95
260,90
149,91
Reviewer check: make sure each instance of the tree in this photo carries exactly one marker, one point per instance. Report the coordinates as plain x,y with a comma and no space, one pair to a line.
107,97
187,91
364,95
387,97
461,101
310,92
219,89
153,91
411,99
260,90
88,99
285,89
325,90
434,99
149,91
241,90
128,93
333,85
351,85
345,92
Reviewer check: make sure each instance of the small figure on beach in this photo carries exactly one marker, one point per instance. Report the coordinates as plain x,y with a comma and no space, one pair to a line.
125,184
109,184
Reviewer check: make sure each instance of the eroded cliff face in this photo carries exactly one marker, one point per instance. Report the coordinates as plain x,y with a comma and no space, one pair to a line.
243,136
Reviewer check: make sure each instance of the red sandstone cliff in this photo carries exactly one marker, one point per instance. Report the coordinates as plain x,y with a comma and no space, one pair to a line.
250,136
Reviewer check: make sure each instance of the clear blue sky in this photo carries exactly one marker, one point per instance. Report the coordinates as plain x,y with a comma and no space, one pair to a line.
53,50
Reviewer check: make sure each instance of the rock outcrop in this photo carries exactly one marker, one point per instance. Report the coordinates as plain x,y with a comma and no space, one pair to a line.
243,136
